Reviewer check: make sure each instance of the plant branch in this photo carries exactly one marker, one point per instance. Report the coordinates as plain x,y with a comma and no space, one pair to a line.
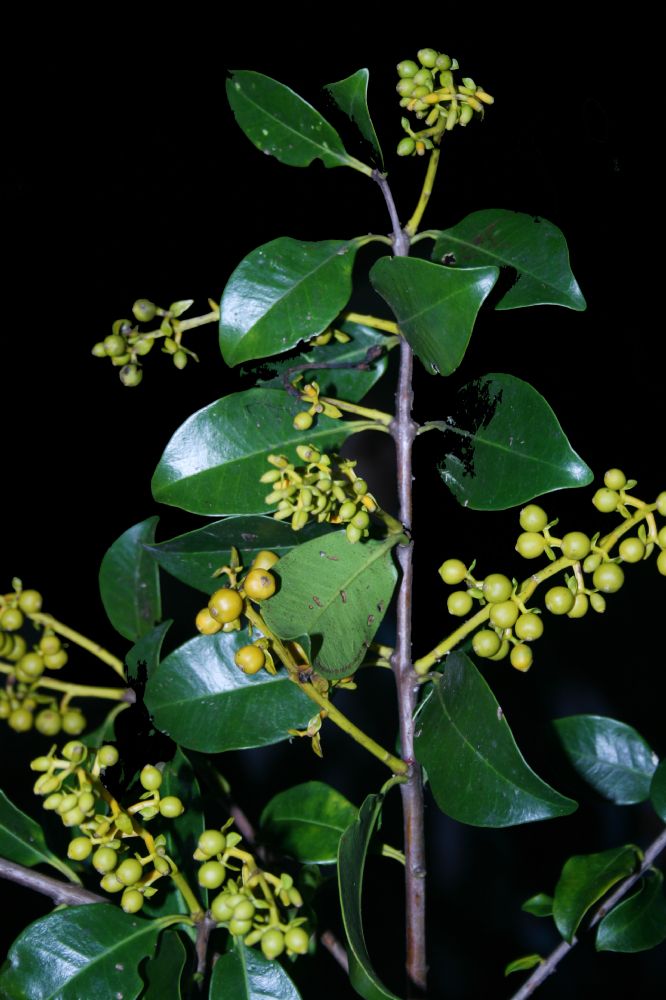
204,929
59,892
48,621
426,191
549,965
332,945
400,238
371,355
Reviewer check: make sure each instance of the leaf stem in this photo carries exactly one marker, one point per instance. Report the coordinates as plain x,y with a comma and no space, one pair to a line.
377,416
428,183
48,621
182,325
191,901
86,690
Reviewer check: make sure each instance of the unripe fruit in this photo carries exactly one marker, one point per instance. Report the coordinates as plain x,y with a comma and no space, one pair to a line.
107,756
427,57
240,927
580,607
423,78
296,940
206,624
559,600
20,647
220,908
73,722
144,310
47,722
631,550
56,661
530,545
529,626
212,874
30,601
661,562
347,510
129,871
661,503
361,520
132,901
608,578
79,849
459,603
74,817
11,619
453,571
521,657
49,644
591,562
86,802
212,842
110,883
130,375
615,479
244,910
32,664
272,943
533,518
98,350
576,545
143,346
598,602
353,534
259,584
114,345
225,605
486,643
250,659
150,778
20,720
407,68
264,559
606,500
104,860
180,360
171,807
302,421
497,588
661,537
404,88
505,614
501,652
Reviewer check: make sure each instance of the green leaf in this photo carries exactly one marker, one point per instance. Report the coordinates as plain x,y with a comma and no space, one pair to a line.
610,755
658,791
282,124
194,557
144,656
306,822
584,880
476,772
129,582
351,96
213,462
163,971
281,293
522,964
435,306
637,923
244,974
337,593
352,852
82,951
203,701
540,905
22,840
504,446
351,384
533,247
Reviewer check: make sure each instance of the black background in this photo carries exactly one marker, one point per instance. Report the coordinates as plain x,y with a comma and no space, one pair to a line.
124,175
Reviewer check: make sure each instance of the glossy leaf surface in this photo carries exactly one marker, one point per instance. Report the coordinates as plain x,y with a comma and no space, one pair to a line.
658,791
163,971
201,699
637,923
144,656
351,96
610,755
336,593
347,383
435,306
281,293
194,557
584,880
22,840
244,974
82,951
540,905
504,446
129,582
282,124
476,772
306,822
533,247
522,964
213,462
352,853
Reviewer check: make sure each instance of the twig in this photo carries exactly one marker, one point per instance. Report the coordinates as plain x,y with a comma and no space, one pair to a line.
549,965
204,928
371,355
400,237
331,943
59,892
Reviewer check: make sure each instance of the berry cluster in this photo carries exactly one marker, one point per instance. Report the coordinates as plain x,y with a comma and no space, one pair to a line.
431,92
248,906
71,786
326,488
310,394
512,624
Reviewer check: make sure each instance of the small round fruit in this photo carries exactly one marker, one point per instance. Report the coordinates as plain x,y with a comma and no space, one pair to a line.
144,310
150,778
180,360
73,722
521,657
533,518
361,520
110,883
56,661
47,722
347,510
130,375
240,928
98,350
220,908
497,588
107,756
212,842
580,606
632,550
30,601
598,602
259,584
559,600
529,626
19,648
11,619
272,943
661,536
86,802
264,559
608,578
73,817
206,624
296,940
530,545
353,533
49,644
244,910
114,345
661,503
615,479
129,871
171,807
576,545
131,901
250,659
453,571
32,664
79,849
501,652
427,57
606,500
661,562
20,720
459,603
104,860
407,68
303,421
225,605
486,643
505,614
74,751
212,874
591,562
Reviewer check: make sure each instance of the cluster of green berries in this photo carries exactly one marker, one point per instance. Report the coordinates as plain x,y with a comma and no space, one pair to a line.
428,89
248,906
71,786
310,394
511,624
126,345
326,488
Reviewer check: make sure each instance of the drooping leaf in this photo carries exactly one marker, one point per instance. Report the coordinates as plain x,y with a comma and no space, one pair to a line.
351,96
522,964
351,384
306,822
203,701
335,592
22,840
610,755
658,791
244,974
533,247
144,656
129,582
164,969
194,557
281,293
282,124
540,905
435,306
82,951
637,923
213,462
475,770
584,880
504,446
